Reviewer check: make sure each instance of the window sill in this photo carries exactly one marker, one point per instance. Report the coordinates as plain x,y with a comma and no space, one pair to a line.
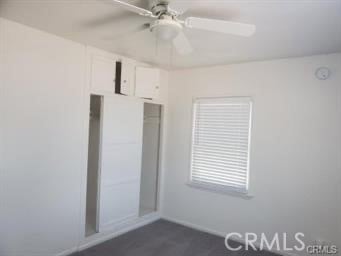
220,190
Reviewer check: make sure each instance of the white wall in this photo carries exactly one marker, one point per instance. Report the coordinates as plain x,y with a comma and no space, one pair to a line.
294,175
339,162
41,148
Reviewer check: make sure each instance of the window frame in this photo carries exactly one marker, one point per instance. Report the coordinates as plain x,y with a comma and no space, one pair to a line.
246,194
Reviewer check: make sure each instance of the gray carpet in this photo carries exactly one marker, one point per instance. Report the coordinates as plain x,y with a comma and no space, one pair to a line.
164,238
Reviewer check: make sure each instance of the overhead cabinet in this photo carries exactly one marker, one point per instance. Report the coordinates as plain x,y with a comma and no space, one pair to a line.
127,77
103,74
111,74
147,83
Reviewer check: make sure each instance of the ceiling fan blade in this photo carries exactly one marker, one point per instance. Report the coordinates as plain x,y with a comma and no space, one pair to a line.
182,45
112,19
129,33
133,8
221,26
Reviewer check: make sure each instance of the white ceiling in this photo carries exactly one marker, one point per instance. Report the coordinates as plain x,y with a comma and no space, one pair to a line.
285,28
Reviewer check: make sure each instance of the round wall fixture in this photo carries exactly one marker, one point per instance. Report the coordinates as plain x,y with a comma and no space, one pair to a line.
322,73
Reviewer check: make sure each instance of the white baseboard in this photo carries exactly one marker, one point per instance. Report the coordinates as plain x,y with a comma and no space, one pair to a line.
140,222
110,234
194,226
68,252
217,233
102,237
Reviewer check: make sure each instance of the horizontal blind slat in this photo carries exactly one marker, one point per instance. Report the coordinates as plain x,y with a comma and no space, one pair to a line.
229,145
216,168
225,136
224,168
218,181
238,175
212,159
212,131
206,153
222,150
216,143
225,162
204,173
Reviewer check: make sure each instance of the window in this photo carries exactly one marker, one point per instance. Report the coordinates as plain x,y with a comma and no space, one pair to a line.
221,143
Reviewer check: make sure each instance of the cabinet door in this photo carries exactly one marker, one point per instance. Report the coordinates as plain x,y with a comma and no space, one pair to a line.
128,77
147,83
121,160
103,73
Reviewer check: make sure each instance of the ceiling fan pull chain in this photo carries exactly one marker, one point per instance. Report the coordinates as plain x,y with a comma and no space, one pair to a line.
171,64
156,49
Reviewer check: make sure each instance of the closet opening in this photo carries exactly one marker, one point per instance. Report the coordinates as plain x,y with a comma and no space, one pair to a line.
150,159
92,193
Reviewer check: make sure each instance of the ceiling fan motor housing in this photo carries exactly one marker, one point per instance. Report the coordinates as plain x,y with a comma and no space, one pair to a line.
158,7
166,28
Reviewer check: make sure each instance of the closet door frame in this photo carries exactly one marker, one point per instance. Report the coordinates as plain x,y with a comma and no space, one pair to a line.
99,165
162,127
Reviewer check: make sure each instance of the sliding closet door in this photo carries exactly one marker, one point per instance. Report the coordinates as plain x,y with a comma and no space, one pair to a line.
121,160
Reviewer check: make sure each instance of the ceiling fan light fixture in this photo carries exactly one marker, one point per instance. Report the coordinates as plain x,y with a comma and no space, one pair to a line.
166,29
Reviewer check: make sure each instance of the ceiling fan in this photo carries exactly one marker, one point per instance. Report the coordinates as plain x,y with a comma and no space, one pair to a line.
168,27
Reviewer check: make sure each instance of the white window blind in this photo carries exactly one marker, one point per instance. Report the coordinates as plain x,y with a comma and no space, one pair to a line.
220,143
